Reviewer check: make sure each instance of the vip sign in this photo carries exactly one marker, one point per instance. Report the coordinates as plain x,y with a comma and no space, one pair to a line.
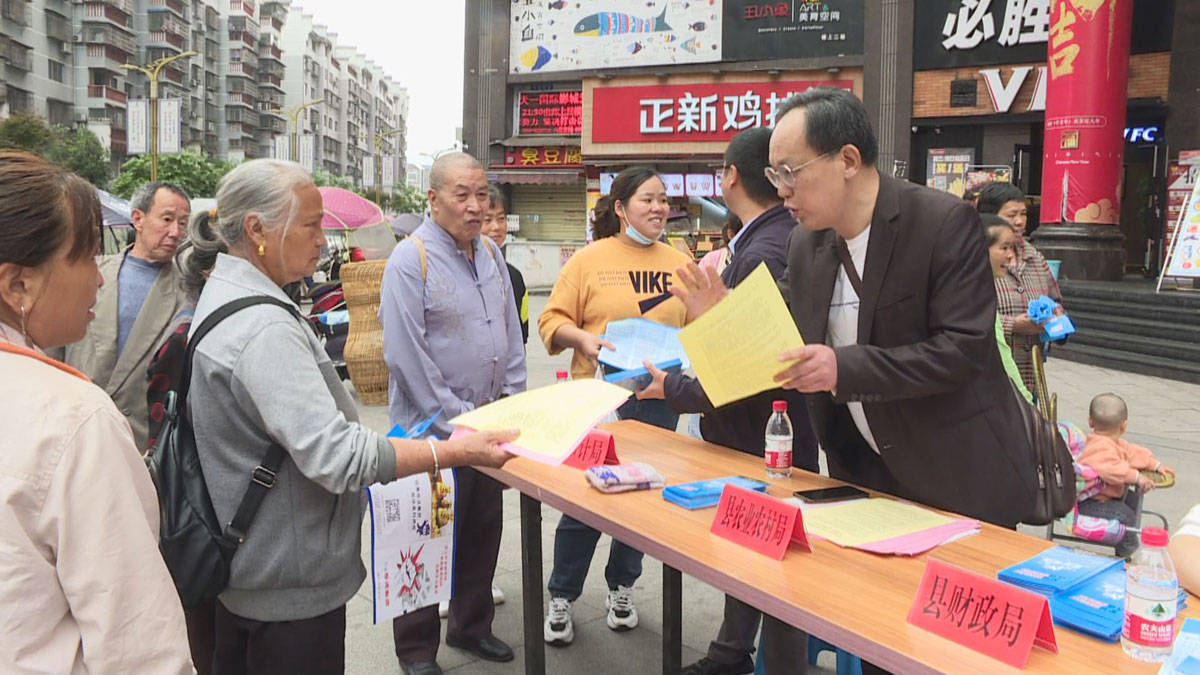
1004,93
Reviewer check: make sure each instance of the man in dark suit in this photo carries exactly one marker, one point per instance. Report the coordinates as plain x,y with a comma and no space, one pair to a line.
741,424
905,386
891,289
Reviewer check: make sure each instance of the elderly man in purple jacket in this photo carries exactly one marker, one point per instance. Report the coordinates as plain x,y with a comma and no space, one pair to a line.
452,342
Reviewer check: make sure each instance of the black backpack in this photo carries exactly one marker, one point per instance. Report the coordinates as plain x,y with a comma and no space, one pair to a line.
198,550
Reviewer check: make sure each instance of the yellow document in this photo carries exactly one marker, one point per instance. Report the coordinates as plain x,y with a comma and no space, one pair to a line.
735,346
553,419
863,521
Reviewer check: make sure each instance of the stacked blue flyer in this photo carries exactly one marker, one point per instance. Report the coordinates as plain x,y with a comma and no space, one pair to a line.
1058,569
1086,590
705,493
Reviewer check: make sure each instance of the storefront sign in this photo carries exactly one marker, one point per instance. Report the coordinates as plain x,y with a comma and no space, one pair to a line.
543,157
549,36
1004,93
1142,134
699,184
778,30
558,113
674,183
691,112
957,33
1085,112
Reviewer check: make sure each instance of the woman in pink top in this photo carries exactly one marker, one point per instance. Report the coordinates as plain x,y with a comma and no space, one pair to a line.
82,585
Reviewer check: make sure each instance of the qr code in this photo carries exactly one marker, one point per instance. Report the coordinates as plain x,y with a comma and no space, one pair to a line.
391,510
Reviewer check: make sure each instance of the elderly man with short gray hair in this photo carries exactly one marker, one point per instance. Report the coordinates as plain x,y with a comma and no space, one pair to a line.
135,307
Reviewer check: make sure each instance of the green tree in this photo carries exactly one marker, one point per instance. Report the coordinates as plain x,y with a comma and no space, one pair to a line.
26,132
190,170
81,152
326,179
406,199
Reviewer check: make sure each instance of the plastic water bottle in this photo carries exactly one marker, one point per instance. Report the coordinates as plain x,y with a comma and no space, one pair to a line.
777,454
1151,599
560,376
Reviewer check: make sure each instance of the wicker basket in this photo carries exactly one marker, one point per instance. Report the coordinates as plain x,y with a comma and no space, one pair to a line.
364,344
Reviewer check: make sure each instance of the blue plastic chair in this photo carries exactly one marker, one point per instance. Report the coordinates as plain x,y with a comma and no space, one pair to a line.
847,663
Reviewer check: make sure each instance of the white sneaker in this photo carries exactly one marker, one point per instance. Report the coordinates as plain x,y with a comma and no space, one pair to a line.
444,609
497,595
622,615
559,628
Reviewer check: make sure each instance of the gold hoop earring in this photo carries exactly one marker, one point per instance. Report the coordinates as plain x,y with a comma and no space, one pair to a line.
262,250
24,334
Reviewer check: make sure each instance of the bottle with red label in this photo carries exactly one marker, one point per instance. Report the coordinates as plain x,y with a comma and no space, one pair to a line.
777,453
1151,599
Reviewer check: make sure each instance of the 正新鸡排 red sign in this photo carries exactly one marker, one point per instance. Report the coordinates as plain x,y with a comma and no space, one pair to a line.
691,112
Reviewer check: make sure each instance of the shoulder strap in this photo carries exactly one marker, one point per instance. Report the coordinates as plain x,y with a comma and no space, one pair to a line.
24,351
421,253
211,321
843,252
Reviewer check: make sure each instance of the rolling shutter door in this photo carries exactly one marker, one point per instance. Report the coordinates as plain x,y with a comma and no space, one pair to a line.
551,212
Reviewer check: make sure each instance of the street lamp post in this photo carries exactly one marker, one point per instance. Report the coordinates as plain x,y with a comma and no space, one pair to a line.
294,114
379,159
151,71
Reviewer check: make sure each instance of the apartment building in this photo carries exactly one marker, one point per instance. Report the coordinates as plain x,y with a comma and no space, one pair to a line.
359,102
63,61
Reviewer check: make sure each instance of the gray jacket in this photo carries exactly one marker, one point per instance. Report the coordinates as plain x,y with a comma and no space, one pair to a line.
261,377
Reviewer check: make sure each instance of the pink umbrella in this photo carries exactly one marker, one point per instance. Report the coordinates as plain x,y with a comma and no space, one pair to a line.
345,210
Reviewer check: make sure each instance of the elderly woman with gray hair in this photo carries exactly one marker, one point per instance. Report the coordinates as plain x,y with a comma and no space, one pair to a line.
260,379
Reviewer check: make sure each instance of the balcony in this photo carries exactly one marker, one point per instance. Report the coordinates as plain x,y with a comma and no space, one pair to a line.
175,6
58,27
107,11
108,94
270,80
118,141
243,36
108,53
244,6
161,39
16,54
240,69
266,50
241,98
15,11
106,35
174,75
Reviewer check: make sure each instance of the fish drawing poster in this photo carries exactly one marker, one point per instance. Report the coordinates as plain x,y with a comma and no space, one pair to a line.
553,35
412,543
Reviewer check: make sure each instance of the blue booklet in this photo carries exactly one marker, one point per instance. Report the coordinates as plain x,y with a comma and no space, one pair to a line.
1095,607
1057,569
704,493
639,378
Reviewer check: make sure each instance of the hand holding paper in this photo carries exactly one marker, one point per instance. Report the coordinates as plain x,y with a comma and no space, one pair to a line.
734,346
552,420
813,368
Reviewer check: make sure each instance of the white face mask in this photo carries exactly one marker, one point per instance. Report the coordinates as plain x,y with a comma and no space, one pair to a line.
632,233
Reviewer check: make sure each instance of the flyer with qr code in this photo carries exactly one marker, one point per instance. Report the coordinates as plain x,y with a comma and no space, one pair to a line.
412,543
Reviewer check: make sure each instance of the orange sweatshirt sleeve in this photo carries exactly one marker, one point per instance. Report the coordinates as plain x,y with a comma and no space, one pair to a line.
562,307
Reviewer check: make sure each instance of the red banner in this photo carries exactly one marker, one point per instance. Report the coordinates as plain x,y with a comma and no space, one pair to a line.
686,113
1085,110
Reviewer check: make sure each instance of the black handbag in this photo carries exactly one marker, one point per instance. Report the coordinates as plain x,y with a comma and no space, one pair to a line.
197,549
1052,462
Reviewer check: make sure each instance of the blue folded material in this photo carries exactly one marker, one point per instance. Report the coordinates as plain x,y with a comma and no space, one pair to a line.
704,493
1041,309
1057,569
416,432
639,378
1095,607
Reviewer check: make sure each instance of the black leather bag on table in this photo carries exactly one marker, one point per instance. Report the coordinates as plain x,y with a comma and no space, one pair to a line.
1052,462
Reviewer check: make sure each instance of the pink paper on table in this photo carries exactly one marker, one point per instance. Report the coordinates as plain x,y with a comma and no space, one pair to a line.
920,542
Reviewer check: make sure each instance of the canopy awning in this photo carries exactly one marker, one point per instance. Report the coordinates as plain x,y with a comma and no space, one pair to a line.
535,177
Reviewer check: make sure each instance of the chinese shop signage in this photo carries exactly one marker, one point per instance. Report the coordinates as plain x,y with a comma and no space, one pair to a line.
984,614
686,113
543,157
775,30
557,113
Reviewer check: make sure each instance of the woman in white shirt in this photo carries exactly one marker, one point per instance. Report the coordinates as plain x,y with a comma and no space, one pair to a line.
82,585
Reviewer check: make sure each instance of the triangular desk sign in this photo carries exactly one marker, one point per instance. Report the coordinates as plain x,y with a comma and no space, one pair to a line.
596,448
985,614
759,521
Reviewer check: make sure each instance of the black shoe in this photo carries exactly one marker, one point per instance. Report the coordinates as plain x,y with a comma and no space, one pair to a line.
490,648
430,668
707,666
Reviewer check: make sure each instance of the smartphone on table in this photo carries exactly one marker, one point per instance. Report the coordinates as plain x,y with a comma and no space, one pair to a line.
833,494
